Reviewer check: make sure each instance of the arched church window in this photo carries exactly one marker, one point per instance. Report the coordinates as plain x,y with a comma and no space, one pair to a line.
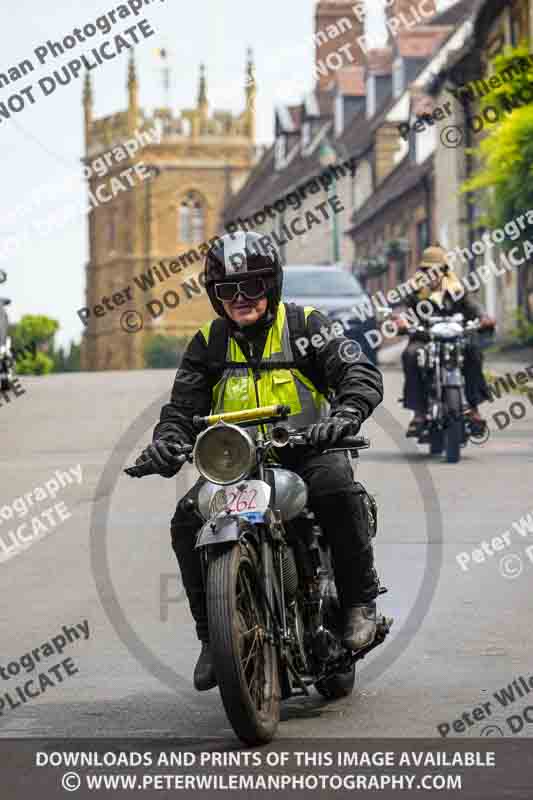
192,219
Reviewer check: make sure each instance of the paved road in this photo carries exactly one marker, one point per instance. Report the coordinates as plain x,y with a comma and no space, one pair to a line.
474,638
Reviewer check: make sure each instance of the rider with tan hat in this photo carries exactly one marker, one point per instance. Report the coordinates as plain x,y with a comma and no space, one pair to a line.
438,284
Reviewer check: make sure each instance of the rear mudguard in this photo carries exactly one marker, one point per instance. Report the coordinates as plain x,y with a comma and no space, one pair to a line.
229,527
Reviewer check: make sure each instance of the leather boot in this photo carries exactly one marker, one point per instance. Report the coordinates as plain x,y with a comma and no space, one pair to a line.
204,672
360,626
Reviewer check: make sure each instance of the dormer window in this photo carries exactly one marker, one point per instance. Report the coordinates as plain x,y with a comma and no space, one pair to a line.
306,135
398,77
371,96
280,151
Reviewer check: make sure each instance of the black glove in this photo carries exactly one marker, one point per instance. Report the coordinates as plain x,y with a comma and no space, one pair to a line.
163,456
331,430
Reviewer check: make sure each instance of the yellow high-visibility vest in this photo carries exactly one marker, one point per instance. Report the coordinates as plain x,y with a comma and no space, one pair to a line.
235,390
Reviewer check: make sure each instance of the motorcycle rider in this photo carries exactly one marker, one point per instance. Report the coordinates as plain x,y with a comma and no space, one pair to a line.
5,355
244,359
443,289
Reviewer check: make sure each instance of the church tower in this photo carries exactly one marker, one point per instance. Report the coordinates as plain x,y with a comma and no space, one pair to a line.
191,160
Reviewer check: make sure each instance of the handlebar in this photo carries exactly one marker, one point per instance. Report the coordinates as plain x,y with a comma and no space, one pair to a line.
472,326
182,453
280,437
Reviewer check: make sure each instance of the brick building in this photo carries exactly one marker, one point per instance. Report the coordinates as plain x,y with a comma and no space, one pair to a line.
199,160
345,119
493,26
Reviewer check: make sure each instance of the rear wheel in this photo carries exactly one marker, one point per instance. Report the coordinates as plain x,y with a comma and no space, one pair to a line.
245,661
453,436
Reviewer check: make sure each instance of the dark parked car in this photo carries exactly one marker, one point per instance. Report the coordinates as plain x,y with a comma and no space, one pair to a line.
335,292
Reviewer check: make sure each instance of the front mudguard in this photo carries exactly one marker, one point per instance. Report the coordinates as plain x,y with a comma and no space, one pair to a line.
227,528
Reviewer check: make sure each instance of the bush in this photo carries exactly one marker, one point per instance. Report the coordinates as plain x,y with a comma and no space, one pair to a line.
35,331
164,352
505,155
40,364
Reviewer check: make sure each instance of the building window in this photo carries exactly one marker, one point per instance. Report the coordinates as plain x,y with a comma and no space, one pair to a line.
306,135
371,96
398,80
191,219
280,152
422,237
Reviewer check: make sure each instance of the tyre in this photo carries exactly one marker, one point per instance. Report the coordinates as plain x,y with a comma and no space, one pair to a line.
336,686
453,436
245,662
436,443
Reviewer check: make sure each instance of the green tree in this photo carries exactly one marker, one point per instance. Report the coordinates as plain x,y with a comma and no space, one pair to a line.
505,155
67,363
35,331
164,352
40,364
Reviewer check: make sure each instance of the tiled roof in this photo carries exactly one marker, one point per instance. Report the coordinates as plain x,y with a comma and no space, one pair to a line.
423,41
260,173
404,178
265,185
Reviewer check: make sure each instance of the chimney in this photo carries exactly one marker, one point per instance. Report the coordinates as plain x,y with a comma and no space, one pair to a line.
337,30
404,15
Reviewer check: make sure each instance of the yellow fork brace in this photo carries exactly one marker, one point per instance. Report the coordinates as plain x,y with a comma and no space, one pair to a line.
264,412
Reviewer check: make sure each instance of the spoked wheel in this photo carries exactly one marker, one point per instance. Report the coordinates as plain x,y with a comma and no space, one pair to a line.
245,660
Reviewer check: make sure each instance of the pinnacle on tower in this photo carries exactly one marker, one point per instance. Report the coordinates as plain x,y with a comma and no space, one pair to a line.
202,91
250,69
87,90
133,94
132,72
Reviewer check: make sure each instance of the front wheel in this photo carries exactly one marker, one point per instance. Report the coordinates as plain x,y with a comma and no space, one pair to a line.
245,661
453,436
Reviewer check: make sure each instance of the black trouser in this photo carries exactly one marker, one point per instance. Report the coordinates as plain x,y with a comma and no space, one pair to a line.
415,392
337,504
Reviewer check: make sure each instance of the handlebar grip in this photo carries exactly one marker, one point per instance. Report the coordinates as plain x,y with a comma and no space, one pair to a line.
141,470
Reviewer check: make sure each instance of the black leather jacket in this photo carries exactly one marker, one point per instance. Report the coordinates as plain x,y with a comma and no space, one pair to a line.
357,388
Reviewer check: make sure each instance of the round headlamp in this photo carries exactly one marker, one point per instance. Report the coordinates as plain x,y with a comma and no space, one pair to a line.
224,454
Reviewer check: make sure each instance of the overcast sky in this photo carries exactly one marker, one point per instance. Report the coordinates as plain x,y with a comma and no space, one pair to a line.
42,144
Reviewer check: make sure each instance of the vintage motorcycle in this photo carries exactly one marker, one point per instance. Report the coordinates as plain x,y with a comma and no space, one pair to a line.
441,358
273,613
6,356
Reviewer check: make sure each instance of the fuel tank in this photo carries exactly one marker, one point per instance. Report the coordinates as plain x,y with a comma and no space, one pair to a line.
289,492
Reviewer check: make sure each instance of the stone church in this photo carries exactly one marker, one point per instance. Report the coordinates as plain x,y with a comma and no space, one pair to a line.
157,230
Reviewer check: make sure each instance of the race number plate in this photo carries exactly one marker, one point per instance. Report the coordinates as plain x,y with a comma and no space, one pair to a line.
245,497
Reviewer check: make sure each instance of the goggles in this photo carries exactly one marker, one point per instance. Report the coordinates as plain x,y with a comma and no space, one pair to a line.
251,289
